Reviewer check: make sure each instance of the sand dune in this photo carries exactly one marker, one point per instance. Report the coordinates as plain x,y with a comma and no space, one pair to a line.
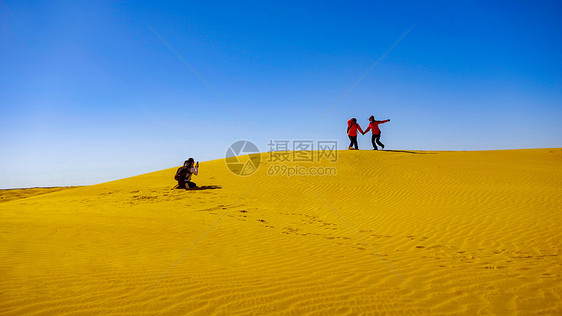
16,194
392,233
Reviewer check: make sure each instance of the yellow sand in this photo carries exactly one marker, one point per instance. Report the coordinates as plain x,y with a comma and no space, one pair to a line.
16,194
393,233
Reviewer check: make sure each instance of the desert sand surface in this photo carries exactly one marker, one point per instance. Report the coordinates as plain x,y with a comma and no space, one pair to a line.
394,232
16,194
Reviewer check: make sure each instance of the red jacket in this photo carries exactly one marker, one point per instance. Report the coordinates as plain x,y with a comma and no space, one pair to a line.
374,126
352,128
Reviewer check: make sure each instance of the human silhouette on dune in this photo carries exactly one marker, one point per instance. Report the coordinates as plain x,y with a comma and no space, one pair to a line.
374,127
184,173
352,128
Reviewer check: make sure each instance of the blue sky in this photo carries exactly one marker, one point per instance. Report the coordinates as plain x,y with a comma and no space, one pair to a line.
88,93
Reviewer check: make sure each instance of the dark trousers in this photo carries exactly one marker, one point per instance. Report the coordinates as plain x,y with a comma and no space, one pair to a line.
376,139
353,140
182,184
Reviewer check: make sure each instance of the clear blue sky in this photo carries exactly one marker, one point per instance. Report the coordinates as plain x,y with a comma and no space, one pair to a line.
88,93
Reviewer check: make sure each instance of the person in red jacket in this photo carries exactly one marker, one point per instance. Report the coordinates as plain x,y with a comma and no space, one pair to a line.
352,128
374,126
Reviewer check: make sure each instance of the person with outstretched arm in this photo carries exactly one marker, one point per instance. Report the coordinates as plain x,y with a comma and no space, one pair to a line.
184,173
376,137
352,128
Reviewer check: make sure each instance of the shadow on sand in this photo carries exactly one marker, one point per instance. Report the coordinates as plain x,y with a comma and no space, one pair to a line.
203,187
410,152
